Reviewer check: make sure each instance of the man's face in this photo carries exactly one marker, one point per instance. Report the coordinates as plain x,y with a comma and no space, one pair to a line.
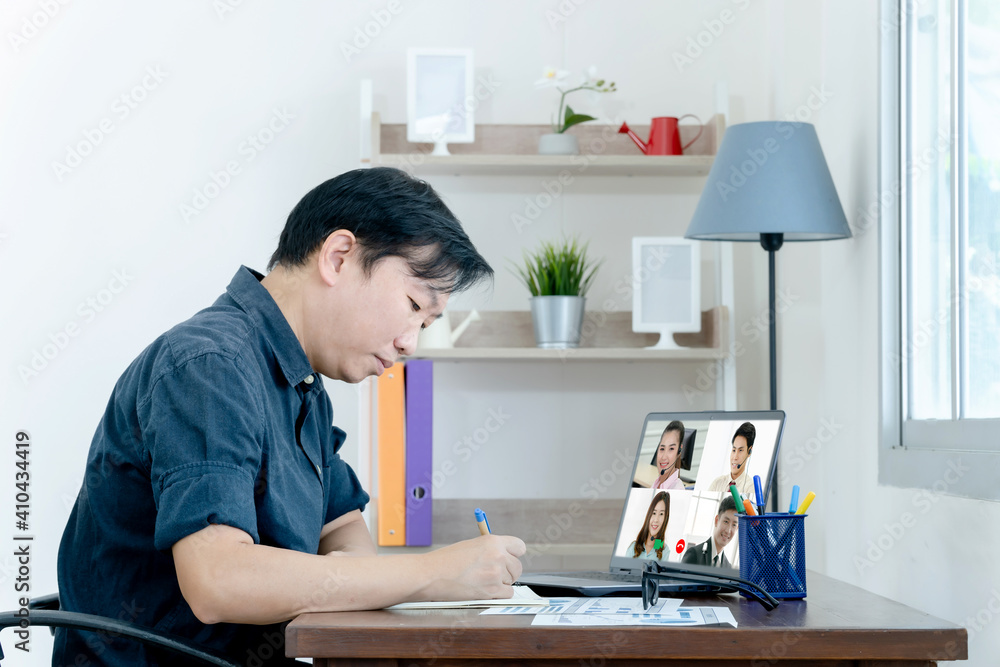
666,453
372,320
725,528
738,456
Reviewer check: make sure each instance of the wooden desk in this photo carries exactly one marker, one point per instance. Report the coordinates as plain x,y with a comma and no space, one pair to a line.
837,624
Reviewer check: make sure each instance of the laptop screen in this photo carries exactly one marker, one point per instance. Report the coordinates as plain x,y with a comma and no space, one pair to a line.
679,507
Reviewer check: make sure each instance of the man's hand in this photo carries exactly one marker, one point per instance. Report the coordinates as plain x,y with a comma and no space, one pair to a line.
226,578
485,567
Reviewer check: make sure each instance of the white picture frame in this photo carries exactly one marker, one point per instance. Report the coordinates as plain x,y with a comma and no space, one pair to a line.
666,281
439,107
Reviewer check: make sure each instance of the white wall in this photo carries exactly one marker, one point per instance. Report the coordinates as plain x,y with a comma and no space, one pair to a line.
224,75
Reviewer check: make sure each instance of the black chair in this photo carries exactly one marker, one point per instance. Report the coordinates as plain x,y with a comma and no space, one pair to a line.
44,611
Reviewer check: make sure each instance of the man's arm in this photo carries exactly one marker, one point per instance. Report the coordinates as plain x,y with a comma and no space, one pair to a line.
347,535
226,578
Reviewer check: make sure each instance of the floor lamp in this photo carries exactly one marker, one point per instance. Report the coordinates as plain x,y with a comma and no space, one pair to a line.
769,183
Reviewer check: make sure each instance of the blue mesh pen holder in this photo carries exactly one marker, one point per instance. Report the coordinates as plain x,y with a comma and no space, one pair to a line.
773,553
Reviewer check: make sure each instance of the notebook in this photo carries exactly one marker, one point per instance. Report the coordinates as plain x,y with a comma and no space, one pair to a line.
676,509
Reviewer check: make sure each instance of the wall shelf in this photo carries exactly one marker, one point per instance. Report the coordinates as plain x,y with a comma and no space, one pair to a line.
512,150
509,336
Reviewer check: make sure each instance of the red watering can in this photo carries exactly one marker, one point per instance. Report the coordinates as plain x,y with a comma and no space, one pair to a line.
664,136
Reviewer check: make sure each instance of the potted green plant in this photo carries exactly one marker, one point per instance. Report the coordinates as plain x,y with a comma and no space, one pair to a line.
560,143
558,276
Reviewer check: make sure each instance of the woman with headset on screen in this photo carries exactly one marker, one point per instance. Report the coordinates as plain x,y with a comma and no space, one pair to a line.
667,457
649,542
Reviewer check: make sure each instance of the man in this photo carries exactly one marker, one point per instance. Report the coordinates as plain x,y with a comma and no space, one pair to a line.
215,505
710,551
739,463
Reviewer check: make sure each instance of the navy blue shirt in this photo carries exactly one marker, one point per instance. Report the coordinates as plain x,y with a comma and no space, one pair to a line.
220,421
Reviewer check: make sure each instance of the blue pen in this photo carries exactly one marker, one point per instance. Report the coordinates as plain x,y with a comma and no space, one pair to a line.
794,505
760,494
484,524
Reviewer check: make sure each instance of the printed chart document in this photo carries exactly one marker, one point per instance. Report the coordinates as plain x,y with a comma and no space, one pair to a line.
594,606
681,617
523,597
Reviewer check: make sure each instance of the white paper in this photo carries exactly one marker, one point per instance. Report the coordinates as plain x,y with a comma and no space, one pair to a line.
523,597
588,605
682,617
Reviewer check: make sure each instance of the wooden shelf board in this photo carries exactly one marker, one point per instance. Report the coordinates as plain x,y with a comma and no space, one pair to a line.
534,165
512,150
573,354
509,336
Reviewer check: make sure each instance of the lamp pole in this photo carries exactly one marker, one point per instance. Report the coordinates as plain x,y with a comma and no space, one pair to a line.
772,242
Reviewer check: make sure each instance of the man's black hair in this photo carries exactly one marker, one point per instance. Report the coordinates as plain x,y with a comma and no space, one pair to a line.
391,214
748,431
727,503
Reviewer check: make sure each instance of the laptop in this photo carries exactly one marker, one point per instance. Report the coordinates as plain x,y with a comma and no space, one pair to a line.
676,509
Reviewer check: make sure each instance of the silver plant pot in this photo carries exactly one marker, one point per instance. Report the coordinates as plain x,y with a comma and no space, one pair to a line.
558,144
557,320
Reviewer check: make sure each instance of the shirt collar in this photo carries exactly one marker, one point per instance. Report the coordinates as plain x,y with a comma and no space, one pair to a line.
252,297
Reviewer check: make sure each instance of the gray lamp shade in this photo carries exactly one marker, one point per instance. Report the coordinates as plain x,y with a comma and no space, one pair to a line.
769,178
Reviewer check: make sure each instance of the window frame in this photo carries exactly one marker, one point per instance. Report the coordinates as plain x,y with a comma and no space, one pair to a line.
953,457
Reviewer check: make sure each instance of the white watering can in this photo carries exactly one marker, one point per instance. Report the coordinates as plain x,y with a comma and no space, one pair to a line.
439,334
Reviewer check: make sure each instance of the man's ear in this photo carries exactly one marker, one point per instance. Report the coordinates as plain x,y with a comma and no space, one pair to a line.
339,246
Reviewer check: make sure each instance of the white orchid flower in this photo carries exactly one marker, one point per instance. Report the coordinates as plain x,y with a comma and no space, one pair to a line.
552,78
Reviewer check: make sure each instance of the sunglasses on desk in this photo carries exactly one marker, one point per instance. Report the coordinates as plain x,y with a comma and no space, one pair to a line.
653,573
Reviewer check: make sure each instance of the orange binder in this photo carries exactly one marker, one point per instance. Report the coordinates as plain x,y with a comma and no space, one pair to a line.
391,457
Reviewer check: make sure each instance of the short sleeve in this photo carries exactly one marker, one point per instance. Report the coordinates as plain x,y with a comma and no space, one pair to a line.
202,425
345,492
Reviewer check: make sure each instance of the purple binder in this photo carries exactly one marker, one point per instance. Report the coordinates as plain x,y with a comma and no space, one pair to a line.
419,451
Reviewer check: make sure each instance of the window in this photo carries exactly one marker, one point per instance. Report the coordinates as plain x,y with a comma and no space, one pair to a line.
941,233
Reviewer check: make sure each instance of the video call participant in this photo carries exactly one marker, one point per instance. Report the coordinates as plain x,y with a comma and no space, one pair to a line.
668,457
710,552
739,462
653,528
